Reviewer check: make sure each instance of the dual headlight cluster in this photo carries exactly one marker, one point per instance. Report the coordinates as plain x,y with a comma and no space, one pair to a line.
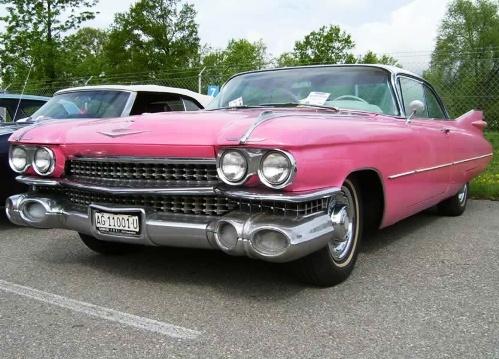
275,168
40,158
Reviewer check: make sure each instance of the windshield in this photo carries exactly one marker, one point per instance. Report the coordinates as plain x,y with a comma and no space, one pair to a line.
84,104
355,88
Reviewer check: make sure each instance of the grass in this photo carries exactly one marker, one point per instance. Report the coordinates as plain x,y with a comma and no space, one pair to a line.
486,186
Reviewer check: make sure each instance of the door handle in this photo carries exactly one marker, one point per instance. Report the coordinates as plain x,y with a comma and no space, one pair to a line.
445,130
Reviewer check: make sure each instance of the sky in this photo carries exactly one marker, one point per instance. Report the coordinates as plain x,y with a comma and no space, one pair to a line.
398,27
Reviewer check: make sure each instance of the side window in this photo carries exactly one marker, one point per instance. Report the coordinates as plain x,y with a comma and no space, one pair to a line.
4,115
152,102
190,105
412,90
433,106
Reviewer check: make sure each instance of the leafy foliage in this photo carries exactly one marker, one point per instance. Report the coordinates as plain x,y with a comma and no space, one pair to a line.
329,45
239,55
154,35
466,57
372,58
34,34
83,53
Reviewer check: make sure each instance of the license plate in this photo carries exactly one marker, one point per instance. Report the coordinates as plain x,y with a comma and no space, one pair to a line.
115,223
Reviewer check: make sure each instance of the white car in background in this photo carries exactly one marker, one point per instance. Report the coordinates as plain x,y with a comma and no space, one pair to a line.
109,101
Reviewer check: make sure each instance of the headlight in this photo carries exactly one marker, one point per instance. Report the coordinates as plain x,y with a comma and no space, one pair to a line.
43,161
232,166
18,159
276,169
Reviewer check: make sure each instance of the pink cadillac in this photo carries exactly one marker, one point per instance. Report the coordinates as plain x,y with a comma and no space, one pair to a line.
287,165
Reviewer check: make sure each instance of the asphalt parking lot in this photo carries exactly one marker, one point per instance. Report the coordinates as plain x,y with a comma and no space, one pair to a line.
427,287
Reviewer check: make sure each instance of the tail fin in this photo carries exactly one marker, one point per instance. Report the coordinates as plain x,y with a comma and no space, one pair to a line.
472,119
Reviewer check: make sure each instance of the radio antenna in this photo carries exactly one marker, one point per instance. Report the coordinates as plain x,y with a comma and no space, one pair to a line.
22,93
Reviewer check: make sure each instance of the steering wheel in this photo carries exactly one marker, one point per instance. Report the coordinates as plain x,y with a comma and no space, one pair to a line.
350,97
286,92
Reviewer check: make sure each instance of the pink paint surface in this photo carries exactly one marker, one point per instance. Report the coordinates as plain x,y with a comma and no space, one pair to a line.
327,147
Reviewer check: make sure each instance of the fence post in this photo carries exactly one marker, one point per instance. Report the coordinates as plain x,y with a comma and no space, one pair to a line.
200,77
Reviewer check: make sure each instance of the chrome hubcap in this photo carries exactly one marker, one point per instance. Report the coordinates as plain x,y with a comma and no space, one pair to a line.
462,195
342,214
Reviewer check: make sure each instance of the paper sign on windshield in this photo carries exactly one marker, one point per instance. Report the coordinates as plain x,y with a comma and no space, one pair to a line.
237,102
316,98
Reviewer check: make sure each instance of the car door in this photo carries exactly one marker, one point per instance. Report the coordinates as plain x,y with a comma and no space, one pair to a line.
432,169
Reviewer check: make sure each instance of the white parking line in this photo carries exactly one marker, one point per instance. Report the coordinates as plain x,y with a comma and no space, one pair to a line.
100,312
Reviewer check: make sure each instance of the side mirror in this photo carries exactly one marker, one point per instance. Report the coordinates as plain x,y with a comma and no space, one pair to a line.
415,107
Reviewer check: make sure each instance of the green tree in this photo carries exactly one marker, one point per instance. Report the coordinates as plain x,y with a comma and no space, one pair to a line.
372,58
83,53
329,45
465,61
33,36
239,55
153,36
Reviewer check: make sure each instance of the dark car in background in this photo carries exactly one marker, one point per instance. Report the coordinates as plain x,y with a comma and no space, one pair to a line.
12,108
92,102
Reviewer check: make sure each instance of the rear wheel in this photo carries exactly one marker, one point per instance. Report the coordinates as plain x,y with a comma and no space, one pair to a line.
456,205
108,248
334,263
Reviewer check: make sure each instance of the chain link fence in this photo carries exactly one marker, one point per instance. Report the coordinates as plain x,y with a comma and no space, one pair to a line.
461,91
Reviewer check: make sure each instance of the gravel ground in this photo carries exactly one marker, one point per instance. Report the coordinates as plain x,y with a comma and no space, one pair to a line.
427,287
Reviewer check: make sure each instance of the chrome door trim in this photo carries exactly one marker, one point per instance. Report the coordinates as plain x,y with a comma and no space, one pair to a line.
427,169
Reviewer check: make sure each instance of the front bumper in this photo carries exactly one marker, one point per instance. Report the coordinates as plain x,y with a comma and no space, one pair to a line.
299,236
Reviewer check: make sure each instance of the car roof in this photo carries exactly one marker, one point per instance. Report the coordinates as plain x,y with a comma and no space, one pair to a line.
202,99
390,68
11,96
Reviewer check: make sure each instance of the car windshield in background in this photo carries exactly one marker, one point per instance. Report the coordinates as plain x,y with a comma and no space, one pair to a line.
84,104
354,88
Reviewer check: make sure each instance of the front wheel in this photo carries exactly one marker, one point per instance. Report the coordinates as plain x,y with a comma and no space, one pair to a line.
108,248
456,205
334,263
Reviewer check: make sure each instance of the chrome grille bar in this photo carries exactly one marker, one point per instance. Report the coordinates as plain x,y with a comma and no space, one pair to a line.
207,205
150,172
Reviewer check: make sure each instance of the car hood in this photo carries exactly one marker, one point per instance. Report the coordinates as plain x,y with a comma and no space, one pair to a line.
7,128
204,128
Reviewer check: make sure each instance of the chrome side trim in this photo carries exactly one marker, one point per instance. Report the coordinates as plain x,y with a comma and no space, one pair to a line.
128,159
291,197
263,117
427,169
32,181
473,159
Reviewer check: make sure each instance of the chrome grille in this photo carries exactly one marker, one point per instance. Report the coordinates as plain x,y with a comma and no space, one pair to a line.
151,173
284,208
195,205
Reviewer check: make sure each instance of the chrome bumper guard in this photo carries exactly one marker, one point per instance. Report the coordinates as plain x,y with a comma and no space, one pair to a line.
257,235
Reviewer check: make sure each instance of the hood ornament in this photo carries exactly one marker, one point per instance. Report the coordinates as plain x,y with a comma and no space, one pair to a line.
120,132
263,117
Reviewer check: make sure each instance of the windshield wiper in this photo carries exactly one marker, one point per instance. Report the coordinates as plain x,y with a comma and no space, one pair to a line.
235,107
277,104
294,104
